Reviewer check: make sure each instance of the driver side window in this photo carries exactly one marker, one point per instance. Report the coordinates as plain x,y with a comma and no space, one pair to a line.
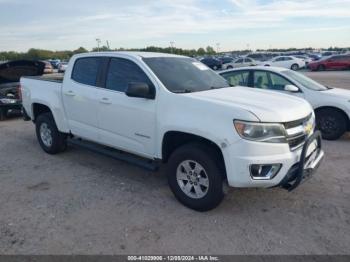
278,82
261,80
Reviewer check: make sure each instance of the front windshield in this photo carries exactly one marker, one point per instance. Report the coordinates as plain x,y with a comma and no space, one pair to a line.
305,81
184,75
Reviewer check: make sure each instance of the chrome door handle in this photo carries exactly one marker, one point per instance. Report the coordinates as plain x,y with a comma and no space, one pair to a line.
105,101
70,93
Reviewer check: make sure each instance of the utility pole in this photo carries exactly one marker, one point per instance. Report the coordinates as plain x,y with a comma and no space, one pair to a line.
107,42
172,45
98,40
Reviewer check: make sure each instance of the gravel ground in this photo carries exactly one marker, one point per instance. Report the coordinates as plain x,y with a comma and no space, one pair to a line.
83,203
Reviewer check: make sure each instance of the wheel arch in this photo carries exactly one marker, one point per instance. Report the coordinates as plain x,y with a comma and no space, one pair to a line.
38,109
175,139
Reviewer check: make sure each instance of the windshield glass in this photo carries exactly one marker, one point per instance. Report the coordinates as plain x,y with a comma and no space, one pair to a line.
305,81
184,75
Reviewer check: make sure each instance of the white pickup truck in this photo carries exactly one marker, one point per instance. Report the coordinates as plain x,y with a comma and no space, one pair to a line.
157,108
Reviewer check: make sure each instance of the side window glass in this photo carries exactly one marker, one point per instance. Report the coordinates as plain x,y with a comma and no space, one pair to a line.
121,72
237,78
86,69
239,61
261,80
278,82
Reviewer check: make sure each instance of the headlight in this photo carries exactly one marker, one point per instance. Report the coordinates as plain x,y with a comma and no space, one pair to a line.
8,101
261,132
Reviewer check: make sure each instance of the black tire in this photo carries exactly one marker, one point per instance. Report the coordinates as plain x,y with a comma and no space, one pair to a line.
59,140
294,67
3,114
215,68
332,123
321,68
230,67
202,155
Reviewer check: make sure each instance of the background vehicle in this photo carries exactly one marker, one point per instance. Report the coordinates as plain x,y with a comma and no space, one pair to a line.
55,63
339,62
331,105
62,67
173,109
48,68
10,74
289,62
212,63
241,62
305,58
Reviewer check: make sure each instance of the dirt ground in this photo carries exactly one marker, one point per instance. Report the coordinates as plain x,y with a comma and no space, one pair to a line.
83,203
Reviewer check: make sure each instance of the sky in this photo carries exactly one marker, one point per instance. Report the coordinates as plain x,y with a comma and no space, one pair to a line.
234,24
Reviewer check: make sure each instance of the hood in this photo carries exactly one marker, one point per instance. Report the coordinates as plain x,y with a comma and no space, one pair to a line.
268,106
12,71
338,92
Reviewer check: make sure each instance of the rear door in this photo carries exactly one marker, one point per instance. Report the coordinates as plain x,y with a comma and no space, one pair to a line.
79,97
126,123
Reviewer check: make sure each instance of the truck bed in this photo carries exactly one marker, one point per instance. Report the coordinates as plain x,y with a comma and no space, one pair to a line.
58,78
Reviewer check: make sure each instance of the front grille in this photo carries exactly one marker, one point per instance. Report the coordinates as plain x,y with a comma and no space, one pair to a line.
296,133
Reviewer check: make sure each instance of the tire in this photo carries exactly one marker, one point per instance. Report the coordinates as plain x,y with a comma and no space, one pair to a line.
332,123
201,163
3,114
215,68
294,67
230,67
321,68
50,139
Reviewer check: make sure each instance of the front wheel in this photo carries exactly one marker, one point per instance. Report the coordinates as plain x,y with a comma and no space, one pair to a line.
295,67
50,139
215,68
321,68
195,177
331,123
230,67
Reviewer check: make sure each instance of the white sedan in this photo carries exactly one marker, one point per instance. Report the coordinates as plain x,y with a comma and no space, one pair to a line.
289,62
240,62
331,105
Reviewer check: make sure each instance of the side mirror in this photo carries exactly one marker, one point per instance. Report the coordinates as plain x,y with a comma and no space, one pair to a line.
291,88
140,90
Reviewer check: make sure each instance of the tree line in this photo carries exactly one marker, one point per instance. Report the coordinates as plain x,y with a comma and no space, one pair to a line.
41,54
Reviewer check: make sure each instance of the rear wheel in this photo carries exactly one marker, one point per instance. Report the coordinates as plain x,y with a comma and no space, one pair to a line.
50,139
295,67
332,123
215,67
195,178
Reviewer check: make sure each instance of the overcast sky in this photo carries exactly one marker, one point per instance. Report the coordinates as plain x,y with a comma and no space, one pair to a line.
235,24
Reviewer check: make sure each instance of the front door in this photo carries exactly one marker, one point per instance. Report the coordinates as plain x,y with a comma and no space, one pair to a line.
125,122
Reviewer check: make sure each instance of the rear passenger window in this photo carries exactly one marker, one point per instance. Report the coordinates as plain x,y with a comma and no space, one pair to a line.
121,72
239,78
85,70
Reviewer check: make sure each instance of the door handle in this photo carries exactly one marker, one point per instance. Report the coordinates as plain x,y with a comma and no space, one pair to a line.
70,93
105,101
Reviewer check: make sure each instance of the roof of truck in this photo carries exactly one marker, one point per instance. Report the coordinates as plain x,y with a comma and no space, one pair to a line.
130,54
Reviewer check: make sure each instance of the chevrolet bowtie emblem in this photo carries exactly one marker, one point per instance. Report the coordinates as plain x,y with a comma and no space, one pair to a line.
308,128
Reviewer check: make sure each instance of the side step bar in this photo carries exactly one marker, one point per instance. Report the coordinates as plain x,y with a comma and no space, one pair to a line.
148,164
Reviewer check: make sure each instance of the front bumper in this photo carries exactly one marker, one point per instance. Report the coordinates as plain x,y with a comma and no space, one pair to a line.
309,163
296,165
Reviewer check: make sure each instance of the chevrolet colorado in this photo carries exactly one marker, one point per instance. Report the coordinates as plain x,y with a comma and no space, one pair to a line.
162,108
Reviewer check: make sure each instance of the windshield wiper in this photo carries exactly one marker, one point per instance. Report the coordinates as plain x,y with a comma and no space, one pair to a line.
181,91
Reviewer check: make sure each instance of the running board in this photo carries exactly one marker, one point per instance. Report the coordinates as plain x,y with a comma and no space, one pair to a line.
148,164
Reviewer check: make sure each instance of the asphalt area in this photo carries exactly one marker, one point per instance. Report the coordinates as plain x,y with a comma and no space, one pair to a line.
79,202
